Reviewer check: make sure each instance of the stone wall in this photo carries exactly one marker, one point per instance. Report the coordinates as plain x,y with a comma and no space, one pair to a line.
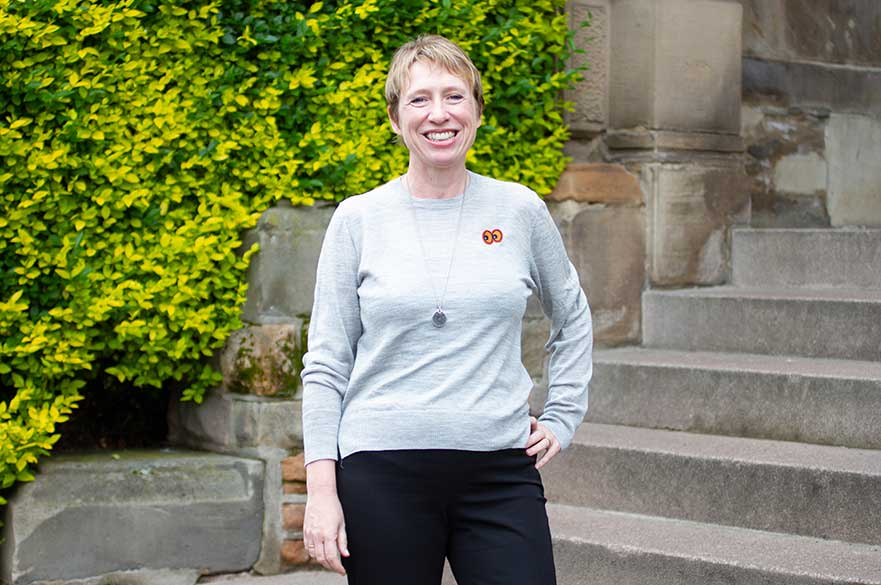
811,113
160,516
257,411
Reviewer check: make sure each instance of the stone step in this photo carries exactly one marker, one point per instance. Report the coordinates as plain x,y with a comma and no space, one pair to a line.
833,402
138,516
812,490
849,258
596,547
829,323
609,548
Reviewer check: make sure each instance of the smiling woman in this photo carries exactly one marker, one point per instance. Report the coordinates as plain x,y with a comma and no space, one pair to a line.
415,414
438,121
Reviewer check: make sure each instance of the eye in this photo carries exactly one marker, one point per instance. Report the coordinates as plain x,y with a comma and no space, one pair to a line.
497,235
456,98
418,101
487,237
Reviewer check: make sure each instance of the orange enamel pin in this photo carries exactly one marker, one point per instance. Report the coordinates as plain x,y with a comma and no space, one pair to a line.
492,236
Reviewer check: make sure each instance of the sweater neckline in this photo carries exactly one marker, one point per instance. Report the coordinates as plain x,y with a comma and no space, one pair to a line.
447,203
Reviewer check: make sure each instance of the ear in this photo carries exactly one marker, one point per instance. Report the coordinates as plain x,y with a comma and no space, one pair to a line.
395,128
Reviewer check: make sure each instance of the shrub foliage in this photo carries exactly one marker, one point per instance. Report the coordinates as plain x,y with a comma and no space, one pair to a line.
139,138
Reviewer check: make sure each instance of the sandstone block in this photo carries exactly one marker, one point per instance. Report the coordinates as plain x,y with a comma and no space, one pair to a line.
669,140
816,85
265,360
802,174
293,552
91,515
854,148
676,65
293,515
293,468
691,210
282,274
590,95
830,32
226,421
597,183
294,487
607,247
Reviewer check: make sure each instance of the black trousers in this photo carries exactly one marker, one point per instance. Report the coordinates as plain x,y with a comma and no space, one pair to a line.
407,510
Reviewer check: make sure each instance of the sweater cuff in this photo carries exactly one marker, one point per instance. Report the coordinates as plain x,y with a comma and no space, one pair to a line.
563,435
320,430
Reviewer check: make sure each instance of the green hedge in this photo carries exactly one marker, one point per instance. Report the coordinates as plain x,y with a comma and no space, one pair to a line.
139,138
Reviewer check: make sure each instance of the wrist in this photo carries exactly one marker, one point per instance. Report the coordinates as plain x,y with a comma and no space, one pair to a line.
321,477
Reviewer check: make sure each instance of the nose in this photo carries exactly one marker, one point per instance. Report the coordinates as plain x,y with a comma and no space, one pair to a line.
438,112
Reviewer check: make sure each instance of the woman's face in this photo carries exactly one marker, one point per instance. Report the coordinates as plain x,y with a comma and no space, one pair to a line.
437,117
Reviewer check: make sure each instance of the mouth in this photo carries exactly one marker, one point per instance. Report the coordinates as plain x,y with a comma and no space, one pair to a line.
441,136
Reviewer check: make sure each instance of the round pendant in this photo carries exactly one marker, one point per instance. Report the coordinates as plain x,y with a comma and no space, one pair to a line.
438,319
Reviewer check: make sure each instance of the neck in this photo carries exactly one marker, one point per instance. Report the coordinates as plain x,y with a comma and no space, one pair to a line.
436,183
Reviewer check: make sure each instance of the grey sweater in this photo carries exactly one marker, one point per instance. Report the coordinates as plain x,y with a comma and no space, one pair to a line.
379,376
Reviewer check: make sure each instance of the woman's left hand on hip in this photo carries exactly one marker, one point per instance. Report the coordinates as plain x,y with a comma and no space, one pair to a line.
541,439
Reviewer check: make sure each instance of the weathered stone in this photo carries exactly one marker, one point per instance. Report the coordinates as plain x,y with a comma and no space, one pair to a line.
843,32
135,577
264,360
676,65
293,515
854,150
293,552
293,468
590,95
597,183
786,165
779,210
616,548
607,247
779,486
282,273
824,323
90,515
808,258
813,85
801,174
226,422
294,487
667,140
691,209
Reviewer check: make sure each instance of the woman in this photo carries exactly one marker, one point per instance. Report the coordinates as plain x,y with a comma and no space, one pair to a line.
413,378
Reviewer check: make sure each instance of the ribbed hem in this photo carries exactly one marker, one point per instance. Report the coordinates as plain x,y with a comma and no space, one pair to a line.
384,430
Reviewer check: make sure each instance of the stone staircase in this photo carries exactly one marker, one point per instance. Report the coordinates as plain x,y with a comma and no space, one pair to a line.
742,442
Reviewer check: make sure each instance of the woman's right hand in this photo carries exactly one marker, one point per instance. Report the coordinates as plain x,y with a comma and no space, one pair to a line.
324,528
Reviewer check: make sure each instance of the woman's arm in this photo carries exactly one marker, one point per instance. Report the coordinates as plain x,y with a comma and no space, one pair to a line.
334,330
570,342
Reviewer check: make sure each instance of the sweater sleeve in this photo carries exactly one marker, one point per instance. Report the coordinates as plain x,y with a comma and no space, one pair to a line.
570,342
334,330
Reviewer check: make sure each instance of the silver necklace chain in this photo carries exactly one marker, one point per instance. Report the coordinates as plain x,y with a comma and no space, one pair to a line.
439,319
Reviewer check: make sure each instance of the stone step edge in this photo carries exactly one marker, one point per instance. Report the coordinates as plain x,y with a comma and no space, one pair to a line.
855,229
747,451
830,368
793,294
782,554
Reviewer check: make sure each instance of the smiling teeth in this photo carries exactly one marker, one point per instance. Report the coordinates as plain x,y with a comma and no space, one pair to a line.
440,135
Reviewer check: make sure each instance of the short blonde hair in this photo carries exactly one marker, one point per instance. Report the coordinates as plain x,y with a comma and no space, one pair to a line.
432,50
